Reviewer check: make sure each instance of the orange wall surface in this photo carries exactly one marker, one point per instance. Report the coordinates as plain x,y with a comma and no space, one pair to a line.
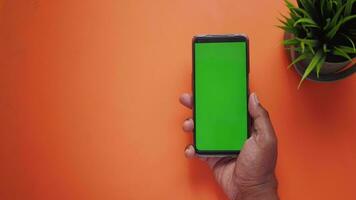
89,101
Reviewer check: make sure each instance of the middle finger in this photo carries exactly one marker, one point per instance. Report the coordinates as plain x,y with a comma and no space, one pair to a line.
188,125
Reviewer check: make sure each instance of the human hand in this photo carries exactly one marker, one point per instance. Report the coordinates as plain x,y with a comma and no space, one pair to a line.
252,174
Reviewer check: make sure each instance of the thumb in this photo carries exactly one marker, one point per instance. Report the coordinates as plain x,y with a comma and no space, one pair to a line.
261,124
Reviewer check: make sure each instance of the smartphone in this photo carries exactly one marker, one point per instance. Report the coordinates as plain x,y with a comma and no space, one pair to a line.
220,93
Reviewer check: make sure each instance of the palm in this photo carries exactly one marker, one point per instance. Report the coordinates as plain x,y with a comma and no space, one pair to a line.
252,165
256,162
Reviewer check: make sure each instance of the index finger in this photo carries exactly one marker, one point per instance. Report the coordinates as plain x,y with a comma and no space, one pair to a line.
187,100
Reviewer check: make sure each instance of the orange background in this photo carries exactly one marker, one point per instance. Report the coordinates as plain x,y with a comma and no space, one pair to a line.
89,101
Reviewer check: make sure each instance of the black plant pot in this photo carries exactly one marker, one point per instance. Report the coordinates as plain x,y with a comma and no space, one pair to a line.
330,71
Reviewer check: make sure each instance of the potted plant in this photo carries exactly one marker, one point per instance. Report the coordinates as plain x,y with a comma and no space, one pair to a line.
320,35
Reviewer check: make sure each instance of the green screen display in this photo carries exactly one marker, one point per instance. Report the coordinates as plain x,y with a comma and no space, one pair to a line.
220,96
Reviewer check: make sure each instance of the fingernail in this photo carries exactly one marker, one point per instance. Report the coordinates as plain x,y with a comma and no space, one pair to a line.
187,152
255,99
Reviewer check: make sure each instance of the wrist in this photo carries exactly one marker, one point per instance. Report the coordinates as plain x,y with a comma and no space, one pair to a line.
265,190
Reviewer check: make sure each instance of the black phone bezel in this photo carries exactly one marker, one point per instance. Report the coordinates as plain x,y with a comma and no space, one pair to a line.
220,38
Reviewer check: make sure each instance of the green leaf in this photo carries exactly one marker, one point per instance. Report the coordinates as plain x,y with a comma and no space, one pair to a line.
281,27
306,21
299,3
341,52
298,49
325,49
335,19
308,6
289,21
320,63
334,30
329,7
301,12
337,4
348,8
327,24
310,42
313,63
288,29
322,4
302,45
283,22
298,59
350,40
291,42
289,4
310,48
346,49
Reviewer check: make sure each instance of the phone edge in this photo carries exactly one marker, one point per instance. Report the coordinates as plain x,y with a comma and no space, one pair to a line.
228,37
